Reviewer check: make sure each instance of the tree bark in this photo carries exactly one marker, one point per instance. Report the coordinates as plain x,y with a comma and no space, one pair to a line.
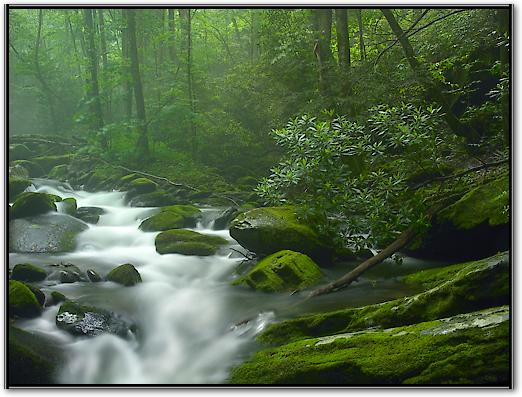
350,277
105,62
126,68
142,146
343,38
172,36
433,91
322,20
190,87
362,47
49,95
94,91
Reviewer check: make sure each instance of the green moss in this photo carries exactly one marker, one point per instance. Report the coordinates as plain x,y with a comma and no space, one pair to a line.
28,272
17,186
125,274
455,289
283,271
143,185
69,206
22,301
31,204
47,163
34,169
33,360
58,297
465,349
59,172
486,203
187,242
171,217
272,229
125,180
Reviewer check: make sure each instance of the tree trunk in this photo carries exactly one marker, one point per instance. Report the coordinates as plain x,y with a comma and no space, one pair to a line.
73,40
362,47
323,29
433,91
188,17
126,69
254,35
343,38
94,91
142,146
172,36
105,62
48,93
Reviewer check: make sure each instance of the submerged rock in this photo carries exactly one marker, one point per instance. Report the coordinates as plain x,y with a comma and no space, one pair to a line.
475,226
69,206
282,271
187,242
89,214
28,272
44,233
66,273
472,348
32,203
450,290
268,230
125,274
93,276
171,217
86,320
33,359
22,301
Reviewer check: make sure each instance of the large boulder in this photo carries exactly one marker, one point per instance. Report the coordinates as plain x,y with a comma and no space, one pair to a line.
31,203
449,290
66,273
68,206
45,233
34,169
475,226
466,349
282,271
272,229
142,185
83,320
171,217
187,242
28,272
49,162
89,214
158,198
33,359
19,152
22,301
59,172
126,275
17,186
18,171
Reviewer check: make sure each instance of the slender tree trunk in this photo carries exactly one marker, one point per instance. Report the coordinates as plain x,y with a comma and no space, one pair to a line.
433,91
362,47
49,95
190,82
105,62
323,28
142,147
172,37
94,91
343,38
126,70
73,40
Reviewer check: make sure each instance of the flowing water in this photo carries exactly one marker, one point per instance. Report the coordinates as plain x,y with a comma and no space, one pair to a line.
185,310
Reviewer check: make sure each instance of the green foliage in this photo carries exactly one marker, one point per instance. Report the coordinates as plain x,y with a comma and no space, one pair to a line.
359,172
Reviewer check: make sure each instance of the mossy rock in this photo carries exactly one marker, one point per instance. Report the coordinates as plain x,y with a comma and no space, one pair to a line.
467,349
39,295
20,152
103,177
49,162
282,271
187,242
171,217
33,359
34,169
450,290
28,272
69,206
22,301
17,171
89,214
126,275
58,297
272,229
84,320
17,186
142,185
32,203
127,179
475,226
59,172
158,198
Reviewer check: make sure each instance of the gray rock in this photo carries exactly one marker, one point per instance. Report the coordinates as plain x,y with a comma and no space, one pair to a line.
89,214
93,276
44,233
